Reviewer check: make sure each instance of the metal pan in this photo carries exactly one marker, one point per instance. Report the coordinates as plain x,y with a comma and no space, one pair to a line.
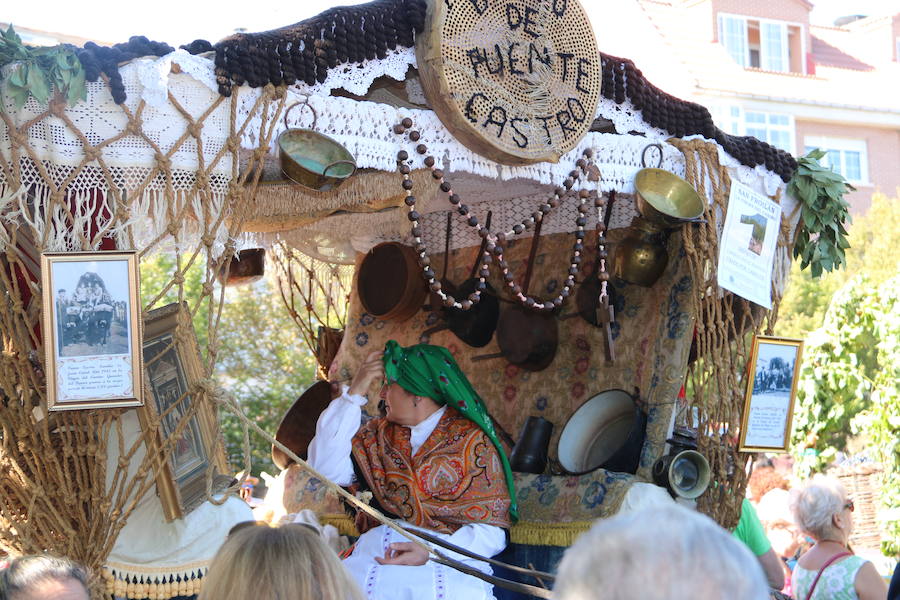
312,159
298,425
607,432
389,283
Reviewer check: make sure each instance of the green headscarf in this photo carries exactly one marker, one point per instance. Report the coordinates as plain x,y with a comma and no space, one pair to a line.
431,371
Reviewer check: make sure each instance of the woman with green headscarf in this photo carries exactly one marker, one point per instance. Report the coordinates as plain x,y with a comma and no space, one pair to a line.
432,461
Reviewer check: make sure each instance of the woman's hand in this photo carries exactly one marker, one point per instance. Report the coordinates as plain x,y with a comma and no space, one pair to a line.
371,370
404,553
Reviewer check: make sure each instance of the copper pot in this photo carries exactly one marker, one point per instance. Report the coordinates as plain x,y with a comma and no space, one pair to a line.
312,159
527,338
389,282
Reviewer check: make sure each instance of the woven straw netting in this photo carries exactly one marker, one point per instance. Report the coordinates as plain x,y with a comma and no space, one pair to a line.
59,492
316,295
725,326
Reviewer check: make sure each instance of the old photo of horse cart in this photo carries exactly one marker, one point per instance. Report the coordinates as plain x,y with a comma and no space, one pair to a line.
91,310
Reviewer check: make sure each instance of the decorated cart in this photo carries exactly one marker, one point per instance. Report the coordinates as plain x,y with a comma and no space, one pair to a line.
467,172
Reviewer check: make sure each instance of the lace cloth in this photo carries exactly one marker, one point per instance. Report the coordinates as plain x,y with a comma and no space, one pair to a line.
170,104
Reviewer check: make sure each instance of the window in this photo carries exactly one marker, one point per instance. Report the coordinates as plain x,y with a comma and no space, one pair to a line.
770,127
774,46
762,44
733,35
845,156
775,128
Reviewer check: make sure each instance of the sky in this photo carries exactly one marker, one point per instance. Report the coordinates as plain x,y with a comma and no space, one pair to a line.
182,21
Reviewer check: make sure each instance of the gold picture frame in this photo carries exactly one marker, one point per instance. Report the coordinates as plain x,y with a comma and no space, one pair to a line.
91,329
772,374
173,365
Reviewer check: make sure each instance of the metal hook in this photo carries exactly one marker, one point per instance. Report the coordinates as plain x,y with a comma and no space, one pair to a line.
644,154
304,102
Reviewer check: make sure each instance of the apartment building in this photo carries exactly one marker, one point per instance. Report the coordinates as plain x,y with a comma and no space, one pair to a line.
764,70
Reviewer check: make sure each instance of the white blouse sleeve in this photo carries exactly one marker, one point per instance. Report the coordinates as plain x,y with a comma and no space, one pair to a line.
329,450
485,540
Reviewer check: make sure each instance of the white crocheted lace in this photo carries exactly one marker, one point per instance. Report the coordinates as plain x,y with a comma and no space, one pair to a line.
365,128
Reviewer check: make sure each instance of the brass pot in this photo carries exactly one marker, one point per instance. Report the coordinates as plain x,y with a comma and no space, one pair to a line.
311,159
666,198
641,257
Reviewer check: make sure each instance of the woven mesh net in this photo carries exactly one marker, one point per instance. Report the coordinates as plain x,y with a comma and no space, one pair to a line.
316,295
72,478
725,326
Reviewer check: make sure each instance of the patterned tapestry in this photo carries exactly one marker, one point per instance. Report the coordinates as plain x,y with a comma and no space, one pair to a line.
652,336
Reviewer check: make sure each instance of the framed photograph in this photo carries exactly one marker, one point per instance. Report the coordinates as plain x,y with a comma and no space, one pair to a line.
92,329
173,364
772,374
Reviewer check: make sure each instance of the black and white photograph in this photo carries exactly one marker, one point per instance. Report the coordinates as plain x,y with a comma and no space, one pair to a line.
91,308
772,387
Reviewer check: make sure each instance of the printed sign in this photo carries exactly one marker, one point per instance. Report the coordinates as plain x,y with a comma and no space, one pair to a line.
747,249
517,81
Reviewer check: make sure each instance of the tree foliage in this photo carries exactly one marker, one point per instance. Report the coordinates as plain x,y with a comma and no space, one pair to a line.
40,71
874,250
850,376
261,359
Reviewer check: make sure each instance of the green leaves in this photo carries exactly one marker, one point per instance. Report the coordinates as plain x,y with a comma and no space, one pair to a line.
821,236
850,386
40,71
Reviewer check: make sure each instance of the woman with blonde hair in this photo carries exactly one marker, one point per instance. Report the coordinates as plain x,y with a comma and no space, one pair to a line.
290,562
829,570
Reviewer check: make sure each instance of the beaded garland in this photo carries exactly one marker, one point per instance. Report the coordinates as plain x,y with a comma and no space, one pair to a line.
494,247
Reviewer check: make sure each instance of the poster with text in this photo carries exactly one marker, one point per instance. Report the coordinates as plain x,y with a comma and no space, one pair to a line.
747,247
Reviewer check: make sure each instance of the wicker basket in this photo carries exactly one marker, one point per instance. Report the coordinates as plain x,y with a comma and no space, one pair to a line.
863,485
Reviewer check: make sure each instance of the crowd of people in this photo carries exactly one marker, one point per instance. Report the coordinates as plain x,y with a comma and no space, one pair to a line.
432,462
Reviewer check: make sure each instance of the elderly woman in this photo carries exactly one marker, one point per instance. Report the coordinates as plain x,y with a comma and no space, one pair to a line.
829,570
659,553
432,461
43,577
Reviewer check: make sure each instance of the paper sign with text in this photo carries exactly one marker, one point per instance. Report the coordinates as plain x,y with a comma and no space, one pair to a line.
747,247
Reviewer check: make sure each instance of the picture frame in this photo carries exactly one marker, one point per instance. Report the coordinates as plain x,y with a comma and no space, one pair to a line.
172,366
772,374
90,315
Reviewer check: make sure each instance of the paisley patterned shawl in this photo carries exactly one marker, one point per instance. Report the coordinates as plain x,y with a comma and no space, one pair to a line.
456,478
